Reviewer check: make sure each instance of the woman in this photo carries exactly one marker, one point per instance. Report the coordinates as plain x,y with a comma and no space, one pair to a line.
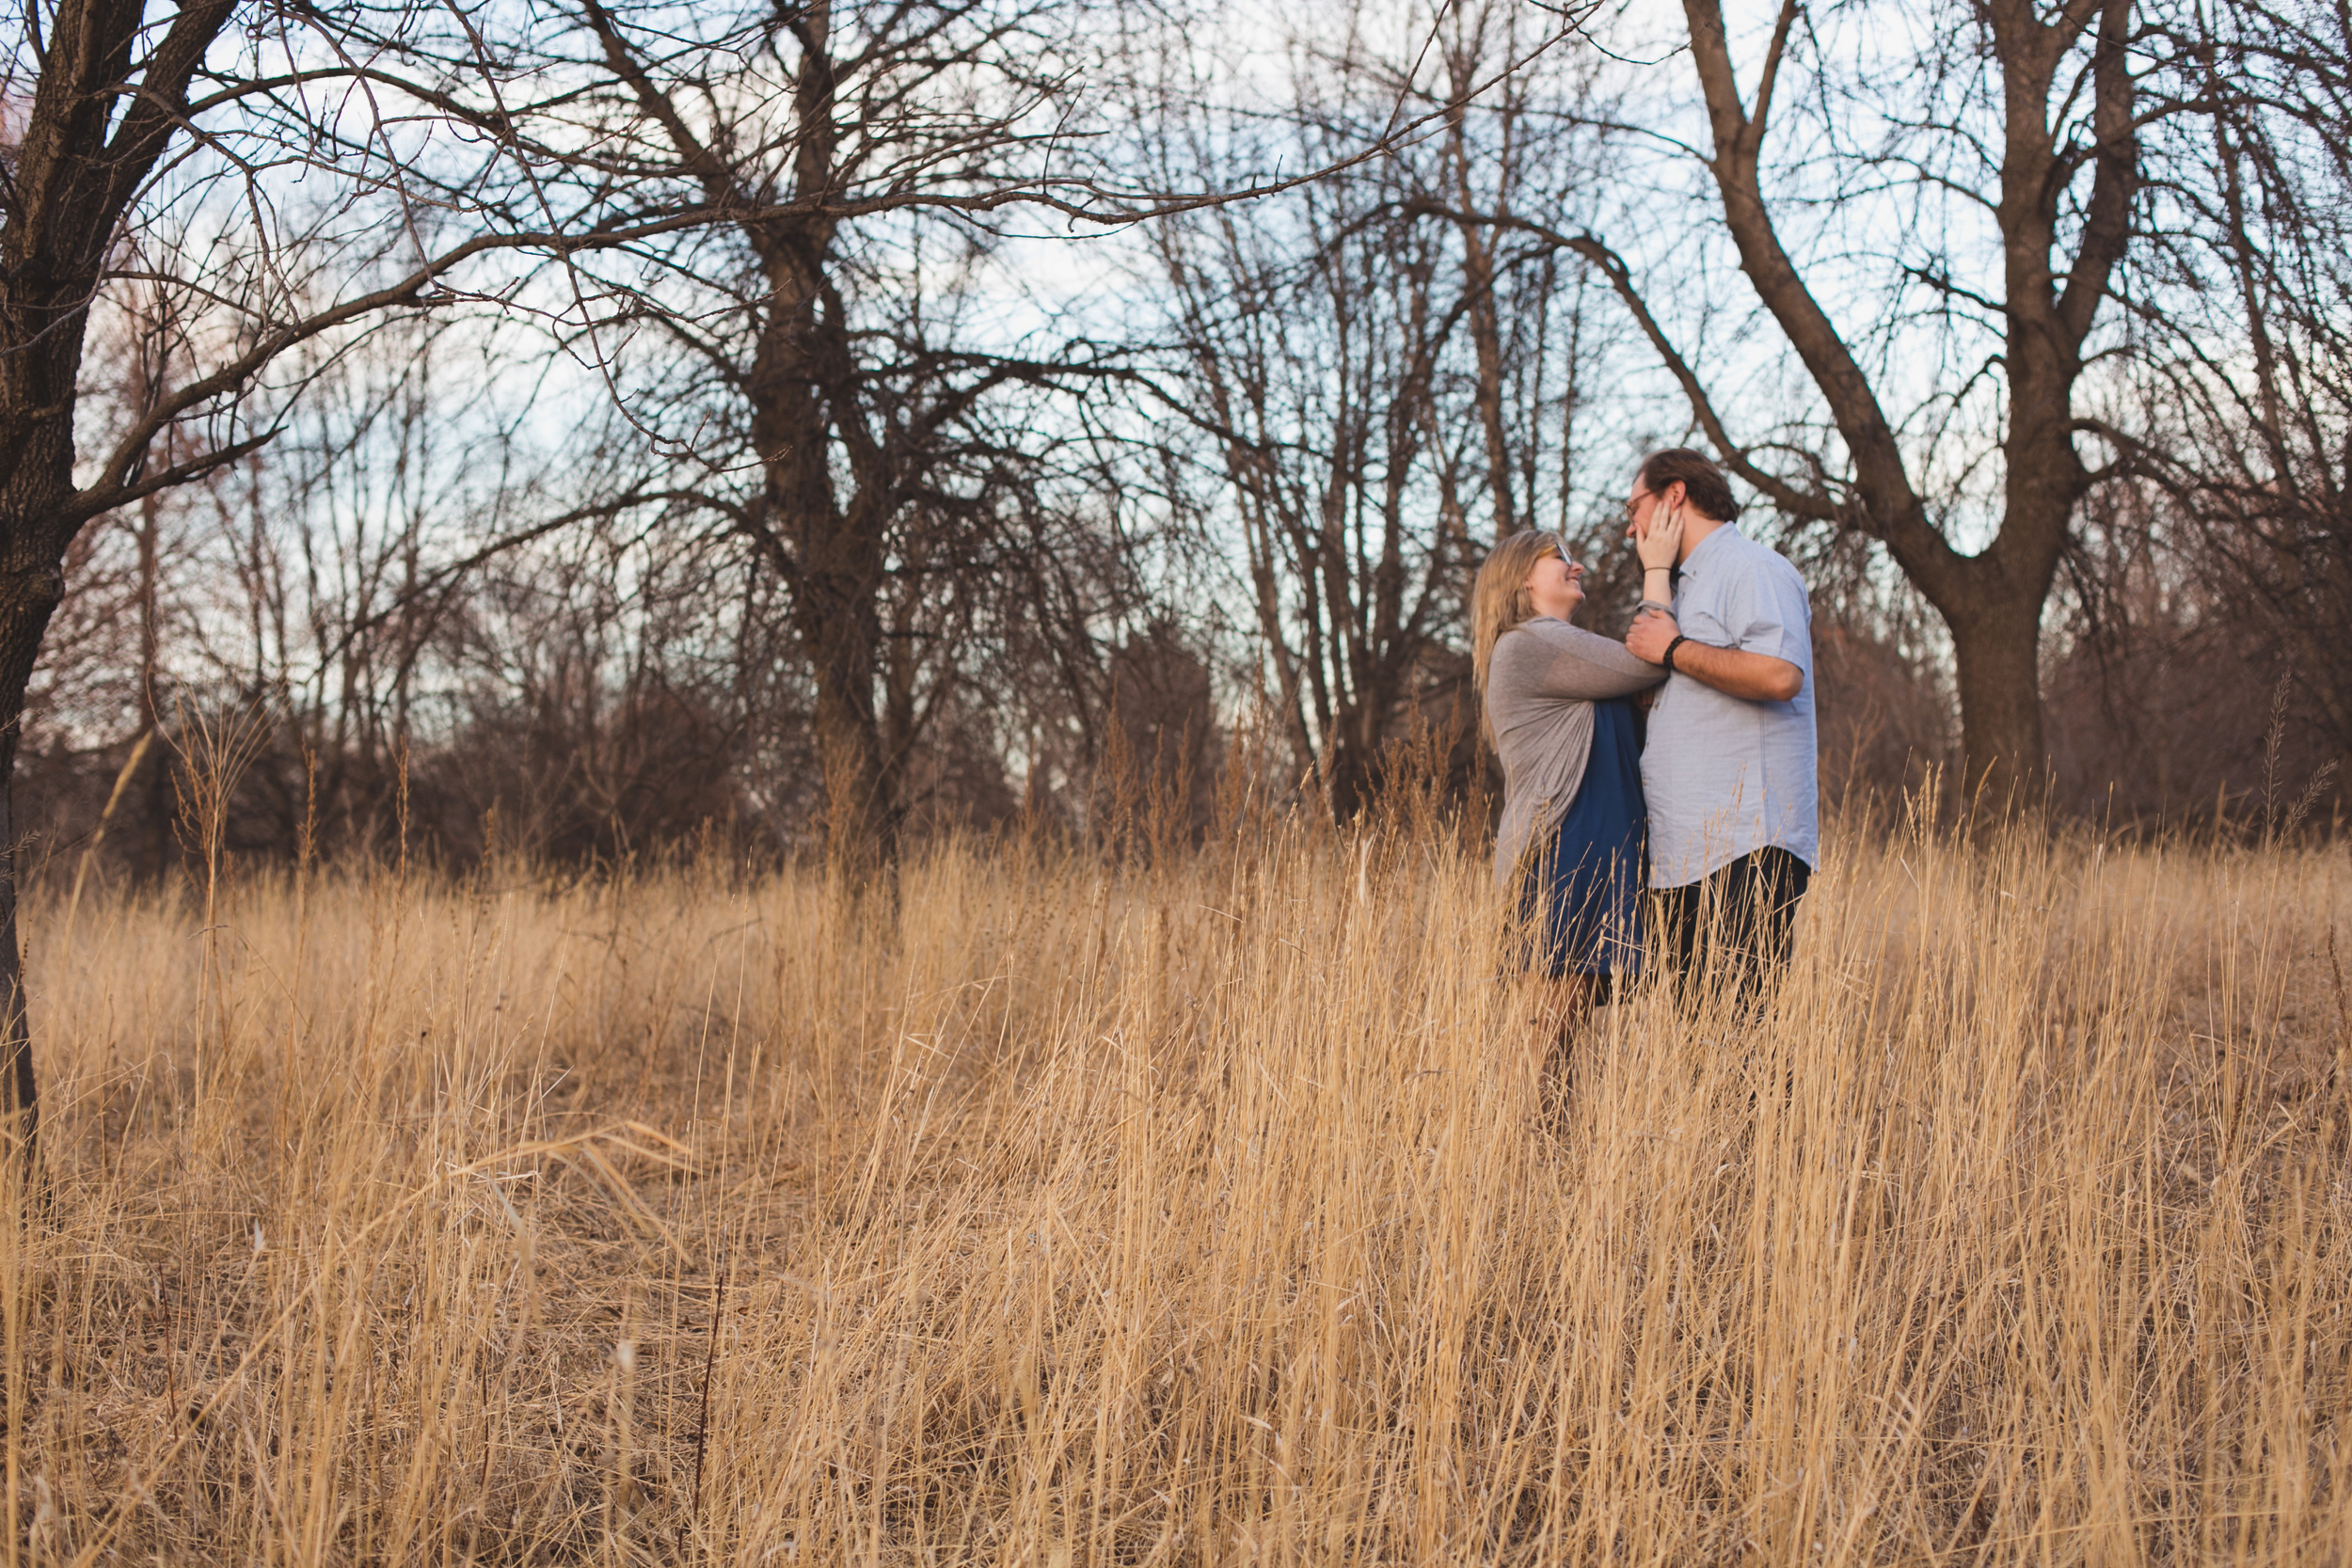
1558,714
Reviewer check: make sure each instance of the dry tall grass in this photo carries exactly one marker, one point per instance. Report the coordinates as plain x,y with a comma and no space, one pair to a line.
1197,1213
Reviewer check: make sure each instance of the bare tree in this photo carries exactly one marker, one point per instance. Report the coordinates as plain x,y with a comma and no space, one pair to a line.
192,160
2012,122
2245,382
819,375
2216,563
1388,375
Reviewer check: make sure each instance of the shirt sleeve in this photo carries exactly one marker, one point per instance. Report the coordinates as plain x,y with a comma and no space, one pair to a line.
1566,662
1768,614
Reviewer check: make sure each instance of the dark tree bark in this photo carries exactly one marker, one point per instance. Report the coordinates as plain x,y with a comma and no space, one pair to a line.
1478,283
29,591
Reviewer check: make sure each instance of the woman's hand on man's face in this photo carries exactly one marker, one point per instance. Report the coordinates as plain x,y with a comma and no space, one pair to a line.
1658,534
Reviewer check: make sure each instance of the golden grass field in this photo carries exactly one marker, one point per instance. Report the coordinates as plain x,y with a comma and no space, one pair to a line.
1191,1209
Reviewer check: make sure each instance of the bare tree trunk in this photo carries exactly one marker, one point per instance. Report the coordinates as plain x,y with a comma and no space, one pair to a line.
1478,283
77,168
837,576
804,393
1996,650
1478,291
31,587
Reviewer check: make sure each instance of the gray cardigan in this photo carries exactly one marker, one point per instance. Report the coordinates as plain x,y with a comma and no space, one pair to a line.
1541,684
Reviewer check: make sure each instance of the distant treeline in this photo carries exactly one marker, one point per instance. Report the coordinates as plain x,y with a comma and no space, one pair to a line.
630,428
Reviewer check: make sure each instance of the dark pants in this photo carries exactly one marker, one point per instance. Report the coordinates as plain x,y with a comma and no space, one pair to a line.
1733,929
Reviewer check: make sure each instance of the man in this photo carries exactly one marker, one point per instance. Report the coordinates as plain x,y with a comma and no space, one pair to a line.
1729,769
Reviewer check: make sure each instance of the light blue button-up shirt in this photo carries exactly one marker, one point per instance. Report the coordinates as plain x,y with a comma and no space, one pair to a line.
1724,776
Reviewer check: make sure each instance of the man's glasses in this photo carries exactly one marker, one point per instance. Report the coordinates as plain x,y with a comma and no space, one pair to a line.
1633,503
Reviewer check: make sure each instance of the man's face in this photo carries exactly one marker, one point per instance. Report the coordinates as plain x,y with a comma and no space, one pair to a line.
1638,509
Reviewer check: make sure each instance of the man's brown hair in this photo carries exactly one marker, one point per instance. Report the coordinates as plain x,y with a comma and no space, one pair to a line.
1703,483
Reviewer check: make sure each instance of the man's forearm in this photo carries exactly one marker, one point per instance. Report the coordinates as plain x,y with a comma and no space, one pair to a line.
1736,673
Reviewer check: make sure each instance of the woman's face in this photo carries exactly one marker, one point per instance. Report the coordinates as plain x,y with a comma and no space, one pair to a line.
1556,587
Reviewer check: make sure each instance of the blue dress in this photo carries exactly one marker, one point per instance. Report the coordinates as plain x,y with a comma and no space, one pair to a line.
1585,893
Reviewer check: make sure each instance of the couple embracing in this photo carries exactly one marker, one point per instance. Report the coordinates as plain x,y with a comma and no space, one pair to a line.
1690,849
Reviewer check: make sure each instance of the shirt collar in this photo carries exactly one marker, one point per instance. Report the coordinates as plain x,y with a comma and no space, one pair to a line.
1704,548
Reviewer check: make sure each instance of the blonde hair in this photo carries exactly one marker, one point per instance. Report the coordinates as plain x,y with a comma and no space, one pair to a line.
1500,600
